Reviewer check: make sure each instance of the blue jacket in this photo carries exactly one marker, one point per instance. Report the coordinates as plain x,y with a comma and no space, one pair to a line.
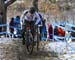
44,30
17,22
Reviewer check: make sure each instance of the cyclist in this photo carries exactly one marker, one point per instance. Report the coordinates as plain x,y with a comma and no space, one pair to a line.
11,24
30,17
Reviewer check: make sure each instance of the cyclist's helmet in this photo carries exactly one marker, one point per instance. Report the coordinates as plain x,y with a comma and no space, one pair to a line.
32,10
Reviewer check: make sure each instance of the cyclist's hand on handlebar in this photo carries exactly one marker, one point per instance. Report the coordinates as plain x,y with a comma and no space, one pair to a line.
39,25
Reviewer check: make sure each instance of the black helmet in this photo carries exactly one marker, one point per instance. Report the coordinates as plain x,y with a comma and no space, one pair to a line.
32,10
18,17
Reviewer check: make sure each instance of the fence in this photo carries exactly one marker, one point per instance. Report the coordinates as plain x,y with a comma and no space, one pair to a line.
6,32
66,38
56,38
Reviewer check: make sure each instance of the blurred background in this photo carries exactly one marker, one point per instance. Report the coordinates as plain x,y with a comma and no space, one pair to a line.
52,10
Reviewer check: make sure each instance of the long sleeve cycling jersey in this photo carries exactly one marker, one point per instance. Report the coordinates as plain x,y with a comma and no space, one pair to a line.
26,16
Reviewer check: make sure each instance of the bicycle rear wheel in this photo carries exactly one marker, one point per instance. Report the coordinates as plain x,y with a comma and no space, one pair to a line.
38,39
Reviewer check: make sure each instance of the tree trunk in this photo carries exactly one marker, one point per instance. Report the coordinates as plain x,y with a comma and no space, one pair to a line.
35,4
3,9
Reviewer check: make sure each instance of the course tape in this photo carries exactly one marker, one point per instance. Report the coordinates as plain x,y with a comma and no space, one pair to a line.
18,28
64,28
3,25
58,38
70,25
3,33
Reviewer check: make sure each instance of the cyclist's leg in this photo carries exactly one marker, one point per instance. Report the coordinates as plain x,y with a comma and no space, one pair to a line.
23,32
33,29
40,30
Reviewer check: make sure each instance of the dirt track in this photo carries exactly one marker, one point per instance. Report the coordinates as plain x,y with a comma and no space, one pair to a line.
14,50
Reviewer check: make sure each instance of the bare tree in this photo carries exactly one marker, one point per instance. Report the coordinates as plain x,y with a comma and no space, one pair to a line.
35,4
52,1
3,9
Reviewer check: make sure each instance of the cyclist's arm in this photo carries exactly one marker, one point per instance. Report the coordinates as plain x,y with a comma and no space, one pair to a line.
21,21
38,18
22,18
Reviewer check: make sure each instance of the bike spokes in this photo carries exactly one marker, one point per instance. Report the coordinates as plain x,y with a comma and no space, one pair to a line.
29,43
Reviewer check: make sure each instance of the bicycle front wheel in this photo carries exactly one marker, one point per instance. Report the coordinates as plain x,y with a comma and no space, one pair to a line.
29,43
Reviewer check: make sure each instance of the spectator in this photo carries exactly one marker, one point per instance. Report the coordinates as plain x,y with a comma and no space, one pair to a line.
41,24
11,24
61,32
44,29
73,33
17,25
1,18
50,31
56,31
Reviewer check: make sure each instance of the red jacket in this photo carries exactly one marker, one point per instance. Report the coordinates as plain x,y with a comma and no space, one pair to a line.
61,32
